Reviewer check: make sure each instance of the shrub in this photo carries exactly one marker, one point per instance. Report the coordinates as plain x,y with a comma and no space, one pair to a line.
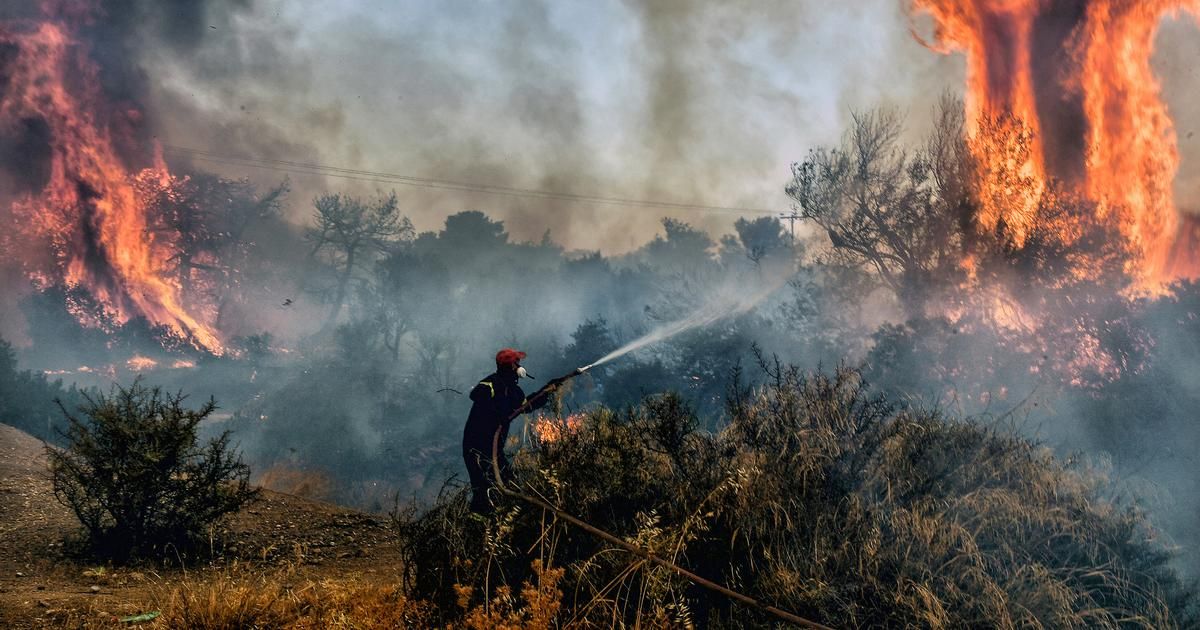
135,476
821,499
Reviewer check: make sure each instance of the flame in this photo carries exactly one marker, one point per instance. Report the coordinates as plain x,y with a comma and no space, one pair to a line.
139,363
96,226
1069,91
549,429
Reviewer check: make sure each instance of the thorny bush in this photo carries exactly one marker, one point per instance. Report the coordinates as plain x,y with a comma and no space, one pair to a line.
816,497
137,478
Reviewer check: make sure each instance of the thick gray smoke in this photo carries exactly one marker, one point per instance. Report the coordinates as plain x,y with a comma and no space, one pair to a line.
702,104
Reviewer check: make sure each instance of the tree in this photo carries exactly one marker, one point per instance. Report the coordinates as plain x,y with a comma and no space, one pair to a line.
683,248
244,210
756,240
960,215
883,208
590,341
472,231
349,234
394,295
206,218
135,476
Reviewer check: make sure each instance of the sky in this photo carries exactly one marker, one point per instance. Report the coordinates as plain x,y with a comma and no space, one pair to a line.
667,100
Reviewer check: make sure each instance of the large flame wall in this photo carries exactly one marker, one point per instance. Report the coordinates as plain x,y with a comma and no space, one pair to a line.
88,218
1077,74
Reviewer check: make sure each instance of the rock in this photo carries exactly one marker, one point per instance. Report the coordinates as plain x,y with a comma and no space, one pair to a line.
95,589
43,603
19,574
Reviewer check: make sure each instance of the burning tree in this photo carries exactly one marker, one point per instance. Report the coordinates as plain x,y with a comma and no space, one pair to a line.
936,228
1077,75
84,212
94,210
210,219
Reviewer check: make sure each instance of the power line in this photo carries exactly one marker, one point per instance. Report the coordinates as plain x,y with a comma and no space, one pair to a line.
307,168
791,218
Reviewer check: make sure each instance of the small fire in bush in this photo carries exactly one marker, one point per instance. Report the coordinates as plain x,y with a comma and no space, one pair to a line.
549,429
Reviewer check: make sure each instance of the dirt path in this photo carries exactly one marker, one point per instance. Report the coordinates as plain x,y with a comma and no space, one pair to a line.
40,585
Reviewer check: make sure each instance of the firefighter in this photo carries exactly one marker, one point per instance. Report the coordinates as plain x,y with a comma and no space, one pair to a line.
494,401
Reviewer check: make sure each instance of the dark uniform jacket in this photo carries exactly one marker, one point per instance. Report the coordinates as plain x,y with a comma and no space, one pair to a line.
495,398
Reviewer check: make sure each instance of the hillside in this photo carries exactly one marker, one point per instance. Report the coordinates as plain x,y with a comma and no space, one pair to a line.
281,538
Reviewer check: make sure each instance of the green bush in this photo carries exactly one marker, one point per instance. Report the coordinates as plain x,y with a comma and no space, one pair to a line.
135,475
821,499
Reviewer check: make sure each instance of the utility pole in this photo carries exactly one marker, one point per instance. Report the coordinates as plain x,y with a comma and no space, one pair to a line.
791,218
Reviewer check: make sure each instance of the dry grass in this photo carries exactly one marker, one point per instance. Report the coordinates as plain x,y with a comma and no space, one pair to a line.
230,603
503,612
236,600
241,597
822,500
816,497
310,484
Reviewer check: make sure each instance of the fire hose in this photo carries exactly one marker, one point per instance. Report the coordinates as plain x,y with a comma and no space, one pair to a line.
614,540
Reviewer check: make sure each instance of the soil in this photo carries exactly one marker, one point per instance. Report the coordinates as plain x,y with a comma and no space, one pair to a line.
43,583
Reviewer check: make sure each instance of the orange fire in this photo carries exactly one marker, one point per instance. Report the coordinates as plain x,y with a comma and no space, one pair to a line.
550,429
1072,80
90,219
139,363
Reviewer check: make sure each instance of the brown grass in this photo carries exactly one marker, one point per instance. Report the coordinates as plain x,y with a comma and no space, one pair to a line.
233,603
307,483
240,597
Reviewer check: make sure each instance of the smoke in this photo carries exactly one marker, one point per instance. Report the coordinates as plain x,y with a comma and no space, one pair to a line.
1177,47
671,100
733,297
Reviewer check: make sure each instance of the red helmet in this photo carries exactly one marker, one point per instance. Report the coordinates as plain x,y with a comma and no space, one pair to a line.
509,357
